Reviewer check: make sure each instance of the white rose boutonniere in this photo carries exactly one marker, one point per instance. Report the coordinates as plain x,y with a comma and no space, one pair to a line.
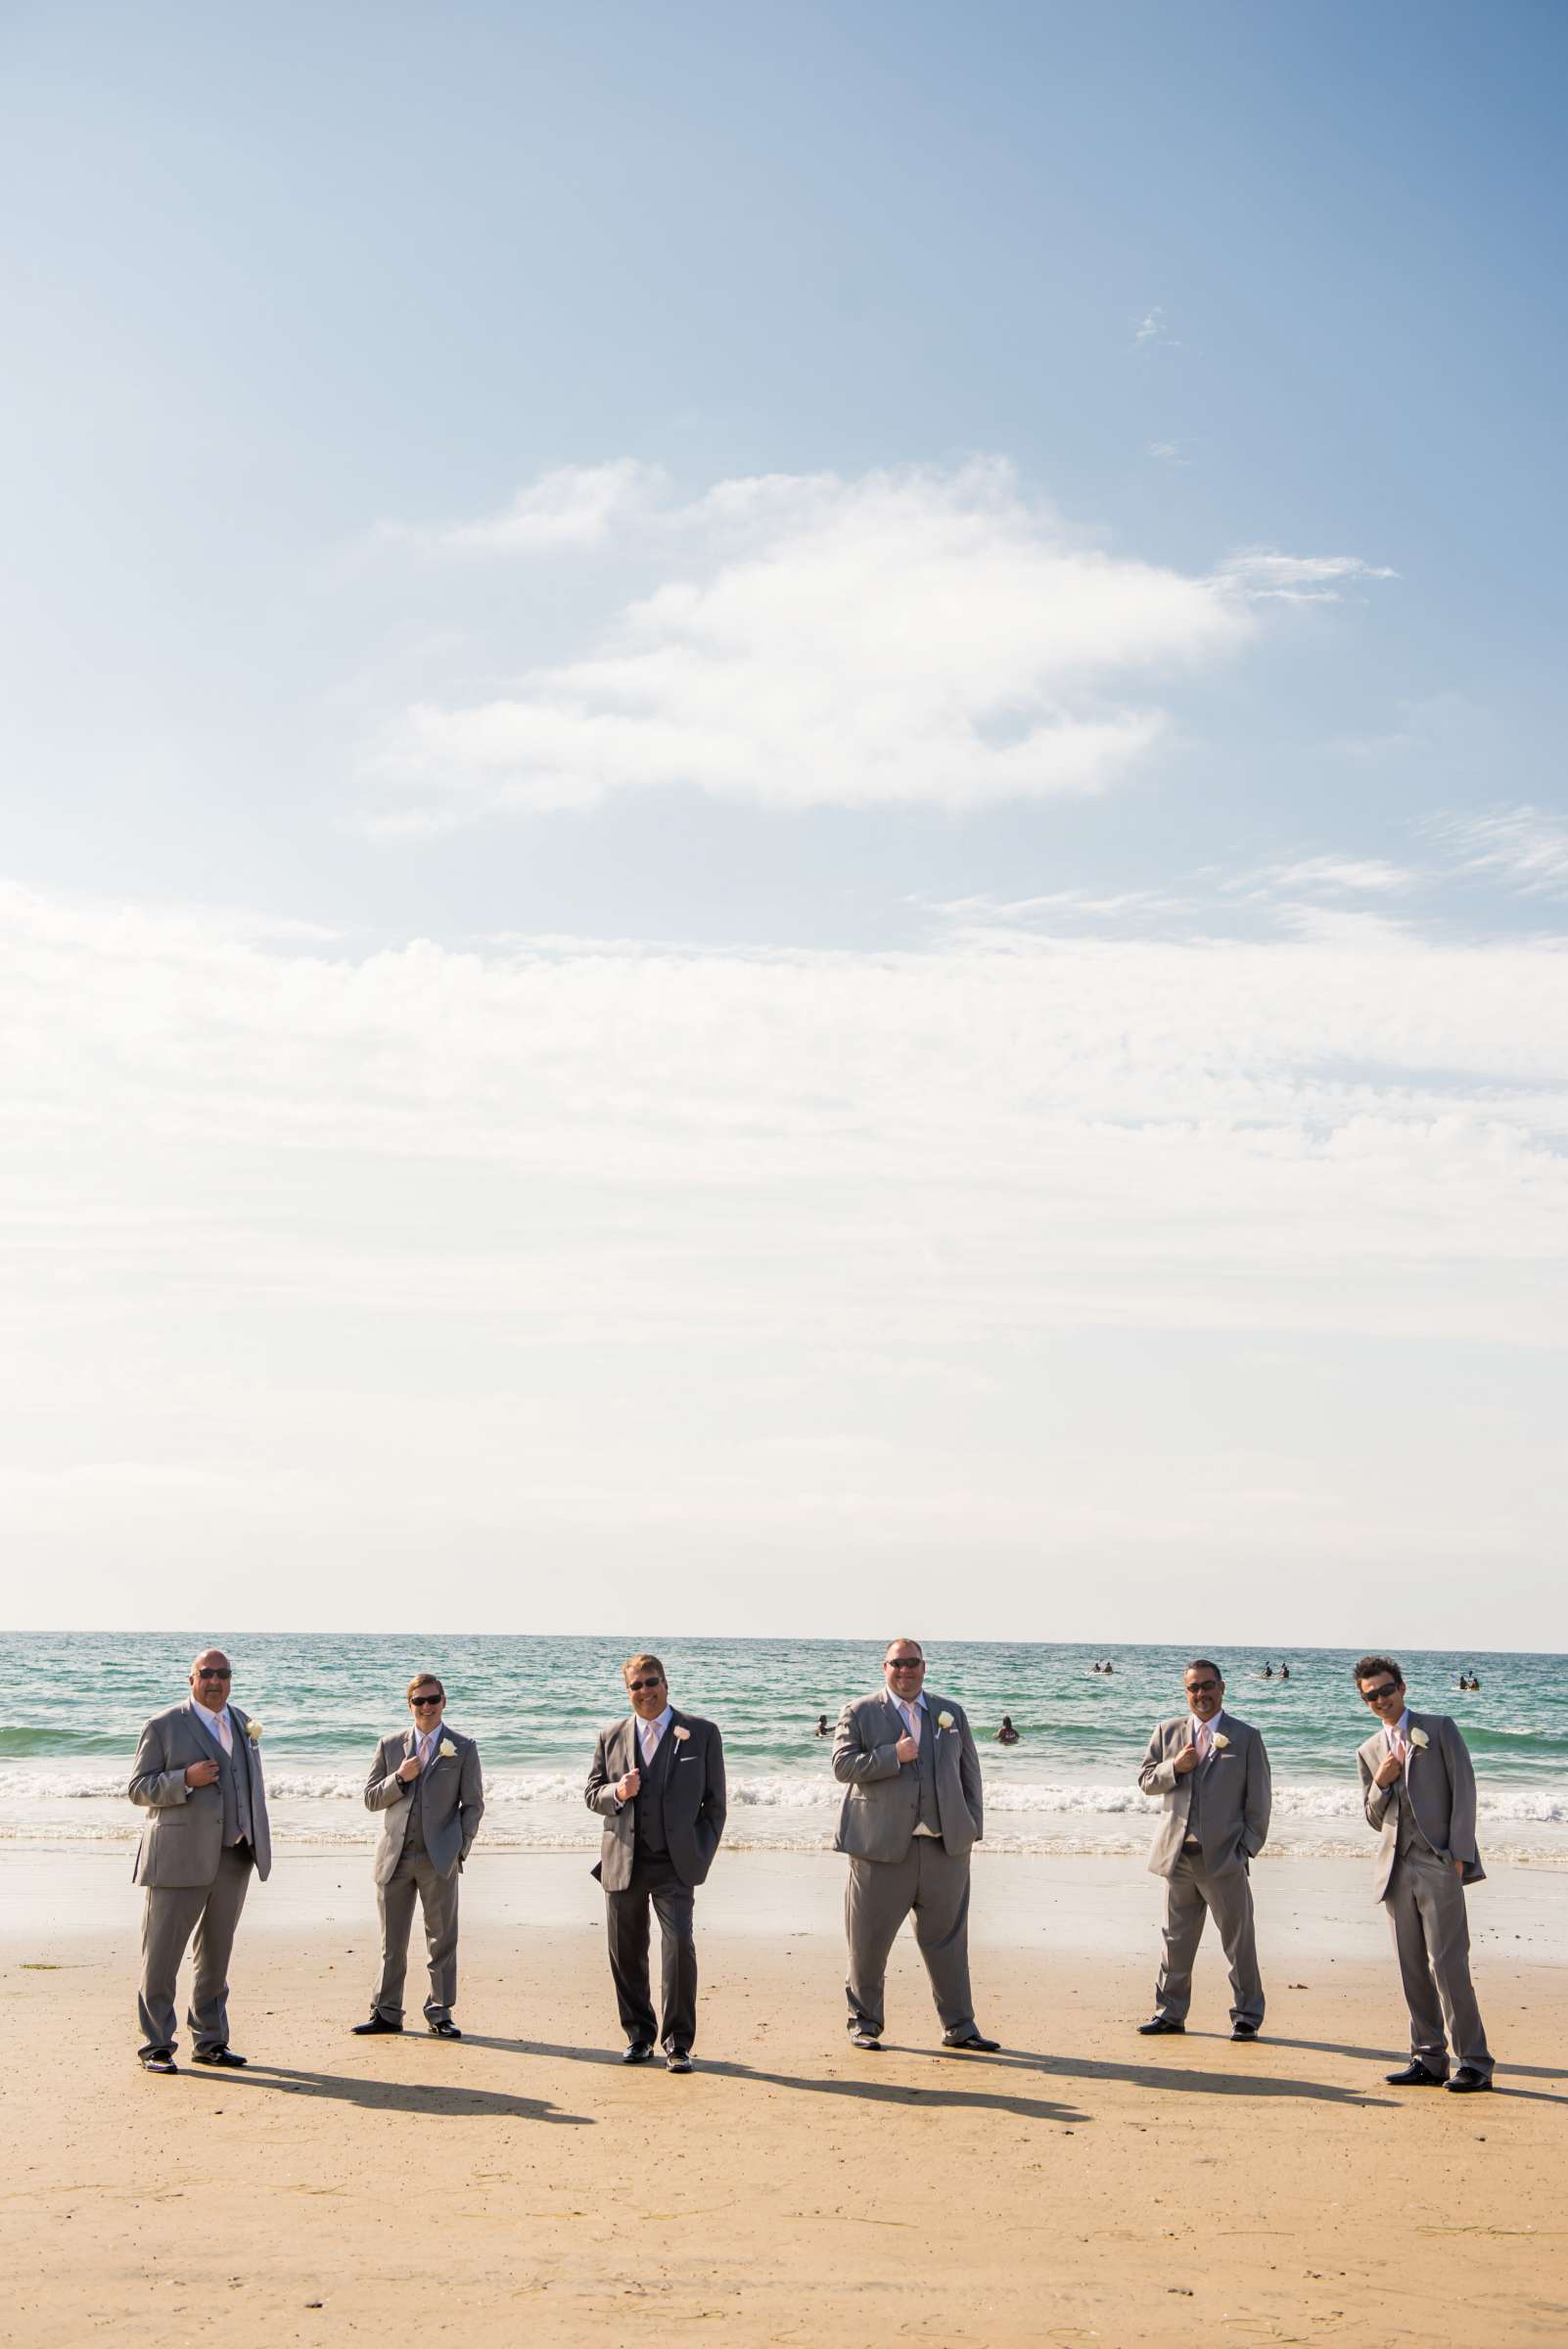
944,1721
1418,1738
679,1733
1221,1741
252,1730
447,1750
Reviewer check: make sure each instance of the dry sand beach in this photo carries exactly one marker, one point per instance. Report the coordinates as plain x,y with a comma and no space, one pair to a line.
1083,2186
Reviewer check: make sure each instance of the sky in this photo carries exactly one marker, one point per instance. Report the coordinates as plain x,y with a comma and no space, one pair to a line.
782,839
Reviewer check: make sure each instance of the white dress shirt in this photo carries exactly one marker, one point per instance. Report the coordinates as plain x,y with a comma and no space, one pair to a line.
218,1723
1401,1728
649,1733
1203,1733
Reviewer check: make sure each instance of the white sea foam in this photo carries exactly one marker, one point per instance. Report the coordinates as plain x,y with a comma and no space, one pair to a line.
24,1784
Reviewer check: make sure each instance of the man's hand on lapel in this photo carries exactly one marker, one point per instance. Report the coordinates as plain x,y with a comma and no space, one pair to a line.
627,1787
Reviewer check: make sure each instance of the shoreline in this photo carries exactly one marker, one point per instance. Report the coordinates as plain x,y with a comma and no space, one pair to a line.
1093,1905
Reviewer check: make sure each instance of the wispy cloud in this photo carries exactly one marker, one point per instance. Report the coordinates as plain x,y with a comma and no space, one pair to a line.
1266,575
916,636
1364,876
576,506
1522,846
1153,328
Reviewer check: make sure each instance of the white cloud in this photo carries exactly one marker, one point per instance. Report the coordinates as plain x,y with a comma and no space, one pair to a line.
322,1267
1265,575
914,636
574,506
1521,846
1152,328
1356,875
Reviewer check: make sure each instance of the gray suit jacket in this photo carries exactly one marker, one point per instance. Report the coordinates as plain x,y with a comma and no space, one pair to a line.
695,1798
883,1798
1233,1797
1438,1784
453,1800
183,1840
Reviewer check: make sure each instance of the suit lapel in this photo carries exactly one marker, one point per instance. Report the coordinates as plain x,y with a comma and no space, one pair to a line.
242,1753
214,1745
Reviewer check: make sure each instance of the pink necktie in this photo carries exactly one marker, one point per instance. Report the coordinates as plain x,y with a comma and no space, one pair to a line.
911,1714
224,1732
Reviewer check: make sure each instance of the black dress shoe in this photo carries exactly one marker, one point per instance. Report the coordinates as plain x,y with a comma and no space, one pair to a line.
1159,2027
1243,2030
223,2057
444,2029
159,2060
970,2043
639,2052
866,2040
377,2024
1415,2075
1467,2080
677,2059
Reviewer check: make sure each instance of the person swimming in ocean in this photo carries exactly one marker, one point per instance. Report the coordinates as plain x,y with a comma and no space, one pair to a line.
1007,1734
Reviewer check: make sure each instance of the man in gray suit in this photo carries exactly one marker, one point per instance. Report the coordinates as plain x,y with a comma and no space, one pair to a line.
427,1784
197,1771
912,1811
1212,1773
658,1783
1419,1792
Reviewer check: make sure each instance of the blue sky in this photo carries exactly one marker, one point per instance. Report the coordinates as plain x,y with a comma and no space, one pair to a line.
853,713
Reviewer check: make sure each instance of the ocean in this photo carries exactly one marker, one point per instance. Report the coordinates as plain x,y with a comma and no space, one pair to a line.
75,1702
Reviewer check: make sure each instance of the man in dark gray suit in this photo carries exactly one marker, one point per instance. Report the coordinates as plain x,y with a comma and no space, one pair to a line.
914,1810
658,1783
197,1771
427,1784
1210,1771
1419,1792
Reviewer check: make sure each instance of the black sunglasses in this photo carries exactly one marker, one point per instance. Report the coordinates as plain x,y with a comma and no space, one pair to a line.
214,1676
637,1686
1373,1696
1201,1688
440,1698
905,1663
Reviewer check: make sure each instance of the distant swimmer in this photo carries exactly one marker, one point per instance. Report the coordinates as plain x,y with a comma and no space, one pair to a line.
1094,1668
1007,1734
1475,1683
1267,1672
1284,1672
824,1727
1108,1664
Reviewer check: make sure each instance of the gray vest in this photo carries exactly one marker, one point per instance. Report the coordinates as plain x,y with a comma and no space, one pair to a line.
1408,1840
926,1771
414,1831
1194,1825
233,1784
649,1802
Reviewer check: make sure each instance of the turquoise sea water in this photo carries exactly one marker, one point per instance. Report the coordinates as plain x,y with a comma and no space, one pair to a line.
76,1703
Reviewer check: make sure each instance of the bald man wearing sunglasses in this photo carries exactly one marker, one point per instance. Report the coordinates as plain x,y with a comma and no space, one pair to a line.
1211,1772
198,1772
